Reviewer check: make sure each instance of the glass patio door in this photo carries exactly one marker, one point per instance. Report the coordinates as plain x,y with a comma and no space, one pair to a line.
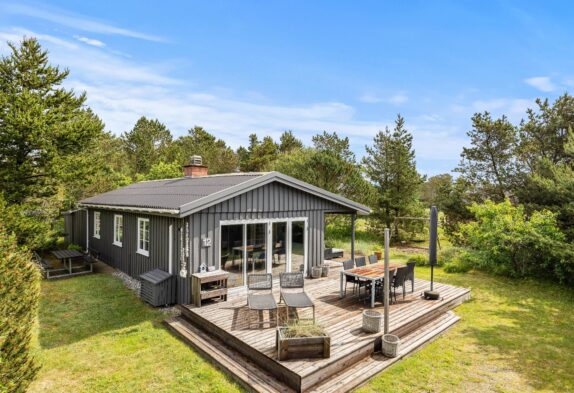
279,259
232,254
262,247
297,247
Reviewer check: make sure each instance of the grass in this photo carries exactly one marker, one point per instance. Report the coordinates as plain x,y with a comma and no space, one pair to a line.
94,335
514,336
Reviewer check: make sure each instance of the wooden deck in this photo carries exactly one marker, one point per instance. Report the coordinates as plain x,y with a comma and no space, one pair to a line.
226,325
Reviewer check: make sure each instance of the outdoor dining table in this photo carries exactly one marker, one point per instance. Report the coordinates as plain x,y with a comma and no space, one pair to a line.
372,273
66,257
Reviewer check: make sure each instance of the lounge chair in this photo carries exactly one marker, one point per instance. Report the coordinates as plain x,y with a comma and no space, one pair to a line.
297,299
257,283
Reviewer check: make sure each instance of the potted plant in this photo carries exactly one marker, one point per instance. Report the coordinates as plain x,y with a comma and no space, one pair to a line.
378,252
300,340
316,271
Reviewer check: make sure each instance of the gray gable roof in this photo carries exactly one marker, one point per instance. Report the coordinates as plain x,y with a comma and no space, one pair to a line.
187,195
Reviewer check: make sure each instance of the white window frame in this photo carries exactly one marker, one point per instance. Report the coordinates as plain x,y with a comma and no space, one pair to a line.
116,241
141,250
97,224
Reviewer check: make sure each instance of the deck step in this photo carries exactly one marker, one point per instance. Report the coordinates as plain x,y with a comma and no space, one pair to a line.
254,378
367,368
238,366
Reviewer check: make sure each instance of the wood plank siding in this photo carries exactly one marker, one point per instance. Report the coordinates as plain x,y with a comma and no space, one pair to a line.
270,201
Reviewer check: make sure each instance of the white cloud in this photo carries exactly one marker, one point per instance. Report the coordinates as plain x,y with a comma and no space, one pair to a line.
398,99
542,83
120,90
90,41
74,21
395,99
370,98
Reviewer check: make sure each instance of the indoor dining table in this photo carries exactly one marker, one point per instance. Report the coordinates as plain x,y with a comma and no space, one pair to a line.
373,273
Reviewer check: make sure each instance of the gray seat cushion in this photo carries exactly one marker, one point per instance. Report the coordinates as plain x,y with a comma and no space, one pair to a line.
261,302
297,299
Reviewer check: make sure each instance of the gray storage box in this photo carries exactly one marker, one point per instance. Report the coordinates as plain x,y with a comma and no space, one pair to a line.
157,288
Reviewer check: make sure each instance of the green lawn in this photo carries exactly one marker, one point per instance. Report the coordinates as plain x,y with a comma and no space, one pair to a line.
95,336
515,336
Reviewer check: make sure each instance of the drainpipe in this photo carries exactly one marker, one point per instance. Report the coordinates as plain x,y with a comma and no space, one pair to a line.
87,230
353,217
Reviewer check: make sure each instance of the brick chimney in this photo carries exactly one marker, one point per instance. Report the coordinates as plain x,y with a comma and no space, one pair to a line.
195,168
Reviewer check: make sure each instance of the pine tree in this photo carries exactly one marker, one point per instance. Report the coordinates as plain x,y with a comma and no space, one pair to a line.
46,135
489,163
390,164
146,144
218,157
20,292
41,123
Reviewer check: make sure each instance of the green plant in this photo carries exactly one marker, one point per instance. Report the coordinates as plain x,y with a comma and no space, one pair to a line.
74,247
20,292
299,329
505,240
419,259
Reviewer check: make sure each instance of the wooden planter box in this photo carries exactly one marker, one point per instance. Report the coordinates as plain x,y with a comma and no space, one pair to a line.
303,347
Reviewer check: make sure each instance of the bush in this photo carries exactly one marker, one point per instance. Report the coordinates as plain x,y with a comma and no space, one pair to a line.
19,291
458,260
504,240
419,259
74,247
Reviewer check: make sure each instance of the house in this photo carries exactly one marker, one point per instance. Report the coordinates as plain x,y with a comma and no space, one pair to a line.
237,222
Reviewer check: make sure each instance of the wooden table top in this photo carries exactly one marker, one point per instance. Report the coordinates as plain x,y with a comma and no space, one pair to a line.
373,271
65,254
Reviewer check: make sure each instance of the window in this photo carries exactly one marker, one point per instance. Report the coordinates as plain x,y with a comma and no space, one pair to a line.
118,229
143,236
97,225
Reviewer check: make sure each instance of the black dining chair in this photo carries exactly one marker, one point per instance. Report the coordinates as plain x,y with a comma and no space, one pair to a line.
360,261
410,275
373,259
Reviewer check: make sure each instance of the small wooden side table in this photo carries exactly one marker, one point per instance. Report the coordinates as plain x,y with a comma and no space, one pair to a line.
208,285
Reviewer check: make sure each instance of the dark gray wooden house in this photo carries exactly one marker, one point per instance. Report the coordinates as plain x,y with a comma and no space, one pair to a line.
239,222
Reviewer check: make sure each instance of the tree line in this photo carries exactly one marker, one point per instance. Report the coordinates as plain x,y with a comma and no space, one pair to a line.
55,151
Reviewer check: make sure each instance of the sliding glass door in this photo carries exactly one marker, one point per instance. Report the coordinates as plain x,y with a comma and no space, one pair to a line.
262,246
298,245
232,254
279,262
256,245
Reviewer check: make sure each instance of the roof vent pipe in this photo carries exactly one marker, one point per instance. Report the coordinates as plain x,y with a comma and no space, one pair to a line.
195,168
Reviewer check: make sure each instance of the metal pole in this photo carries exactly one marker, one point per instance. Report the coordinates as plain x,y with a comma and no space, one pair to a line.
353,218
386,281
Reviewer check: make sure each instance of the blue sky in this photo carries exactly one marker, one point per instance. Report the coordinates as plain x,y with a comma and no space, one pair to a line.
236,67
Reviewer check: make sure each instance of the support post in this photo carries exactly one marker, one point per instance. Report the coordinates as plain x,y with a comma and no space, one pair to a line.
386,282
353,218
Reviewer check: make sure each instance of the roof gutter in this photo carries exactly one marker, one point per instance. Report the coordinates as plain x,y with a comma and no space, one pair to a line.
170,212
